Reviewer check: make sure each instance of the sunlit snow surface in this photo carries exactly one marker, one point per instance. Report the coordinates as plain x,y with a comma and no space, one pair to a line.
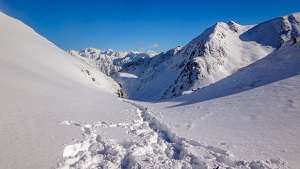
254,113
41,86
59,111
155,147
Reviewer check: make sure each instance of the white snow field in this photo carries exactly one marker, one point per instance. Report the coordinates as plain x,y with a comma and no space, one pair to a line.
40,87
59,111
254,113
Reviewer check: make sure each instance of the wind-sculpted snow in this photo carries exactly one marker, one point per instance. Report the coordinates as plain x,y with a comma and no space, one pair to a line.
155,147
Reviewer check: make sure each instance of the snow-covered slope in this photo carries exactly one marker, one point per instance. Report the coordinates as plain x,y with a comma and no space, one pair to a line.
55,108
40,87
149,78
253,113
251,118
226,47
217,53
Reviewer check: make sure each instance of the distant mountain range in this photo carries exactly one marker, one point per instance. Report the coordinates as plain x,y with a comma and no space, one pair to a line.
217,53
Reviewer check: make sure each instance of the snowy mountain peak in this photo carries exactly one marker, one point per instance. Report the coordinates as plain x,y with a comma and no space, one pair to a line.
218,52
234,26
226,47
110,61
274,32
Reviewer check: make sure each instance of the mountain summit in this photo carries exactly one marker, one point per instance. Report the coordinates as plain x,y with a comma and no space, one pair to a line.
218,52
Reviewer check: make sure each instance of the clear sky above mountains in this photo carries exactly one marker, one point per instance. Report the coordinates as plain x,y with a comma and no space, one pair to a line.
136,24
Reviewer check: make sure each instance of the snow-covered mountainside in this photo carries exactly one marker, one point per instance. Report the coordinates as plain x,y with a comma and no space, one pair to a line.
253,113
217,53
60,111
40,87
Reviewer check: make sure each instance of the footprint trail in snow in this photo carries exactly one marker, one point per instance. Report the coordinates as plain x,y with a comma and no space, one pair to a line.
155,147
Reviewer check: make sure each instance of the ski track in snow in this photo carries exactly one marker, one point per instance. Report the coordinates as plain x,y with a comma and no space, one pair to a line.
156,147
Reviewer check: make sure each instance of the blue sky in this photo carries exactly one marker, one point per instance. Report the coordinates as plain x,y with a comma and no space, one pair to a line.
136,24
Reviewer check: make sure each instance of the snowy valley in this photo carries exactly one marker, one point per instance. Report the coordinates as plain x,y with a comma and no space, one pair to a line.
217,53
229,99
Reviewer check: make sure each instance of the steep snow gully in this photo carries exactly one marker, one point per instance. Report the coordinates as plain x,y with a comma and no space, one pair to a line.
155,147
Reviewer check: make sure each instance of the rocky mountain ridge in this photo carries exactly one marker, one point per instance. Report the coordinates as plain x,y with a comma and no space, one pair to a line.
217,53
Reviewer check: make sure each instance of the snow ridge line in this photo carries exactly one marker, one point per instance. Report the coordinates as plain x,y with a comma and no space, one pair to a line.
155,147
